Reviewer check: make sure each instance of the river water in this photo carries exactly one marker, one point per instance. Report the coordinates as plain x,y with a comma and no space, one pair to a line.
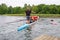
9,25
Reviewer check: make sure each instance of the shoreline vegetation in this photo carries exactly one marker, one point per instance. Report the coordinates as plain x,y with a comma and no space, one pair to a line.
41,10
40,15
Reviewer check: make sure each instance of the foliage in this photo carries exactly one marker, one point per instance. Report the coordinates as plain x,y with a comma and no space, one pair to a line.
40,9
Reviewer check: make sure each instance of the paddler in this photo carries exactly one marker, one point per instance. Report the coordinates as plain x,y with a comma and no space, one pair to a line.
30,18
28,15
28,12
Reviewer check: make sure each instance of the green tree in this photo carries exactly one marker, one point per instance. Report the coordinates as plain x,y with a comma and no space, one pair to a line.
35,9
10,10
40,8
17,10
3,9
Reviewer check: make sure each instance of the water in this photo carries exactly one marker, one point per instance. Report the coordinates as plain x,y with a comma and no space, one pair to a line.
8,31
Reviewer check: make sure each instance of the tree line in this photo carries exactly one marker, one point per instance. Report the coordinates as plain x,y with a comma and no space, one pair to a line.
40,9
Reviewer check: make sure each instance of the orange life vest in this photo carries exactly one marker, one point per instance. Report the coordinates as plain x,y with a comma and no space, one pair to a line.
34,18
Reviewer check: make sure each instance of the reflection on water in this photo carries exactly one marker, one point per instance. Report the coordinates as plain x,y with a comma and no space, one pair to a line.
27,35
43,26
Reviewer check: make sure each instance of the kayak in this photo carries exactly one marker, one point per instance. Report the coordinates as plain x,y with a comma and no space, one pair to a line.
25,26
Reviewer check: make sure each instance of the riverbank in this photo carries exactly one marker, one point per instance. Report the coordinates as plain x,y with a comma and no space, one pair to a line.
41,15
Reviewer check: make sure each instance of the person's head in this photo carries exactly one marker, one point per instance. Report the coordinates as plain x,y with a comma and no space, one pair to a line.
52,20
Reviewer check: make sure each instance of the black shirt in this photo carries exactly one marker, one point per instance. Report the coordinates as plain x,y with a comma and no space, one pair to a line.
28,12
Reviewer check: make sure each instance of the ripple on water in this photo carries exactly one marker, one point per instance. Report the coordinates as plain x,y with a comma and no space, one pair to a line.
8,32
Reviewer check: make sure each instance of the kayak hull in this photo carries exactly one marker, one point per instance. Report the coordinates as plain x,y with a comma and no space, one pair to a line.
23,27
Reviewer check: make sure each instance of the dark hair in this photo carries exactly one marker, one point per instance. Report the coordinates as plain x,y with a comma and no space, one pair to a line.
52,20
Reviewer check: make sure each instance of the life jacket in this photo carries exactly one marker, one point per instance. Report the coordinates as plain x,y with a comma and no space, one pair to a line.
34,18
